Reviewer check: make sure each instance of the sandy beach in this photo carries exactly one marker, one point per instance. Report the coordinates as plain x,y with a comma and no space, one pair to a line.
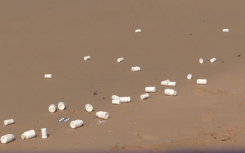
52,37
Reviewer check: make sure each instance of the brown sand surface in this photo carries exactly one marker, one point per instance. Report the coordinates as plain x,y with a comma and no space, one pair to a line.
53,36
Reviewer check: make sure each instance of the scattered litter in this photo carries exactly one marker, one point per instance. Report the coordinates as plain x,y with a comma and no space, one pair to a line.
101,114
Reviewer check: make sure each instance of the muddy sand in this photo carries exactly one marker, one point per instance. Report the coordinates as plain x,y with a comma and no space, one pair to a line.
39,37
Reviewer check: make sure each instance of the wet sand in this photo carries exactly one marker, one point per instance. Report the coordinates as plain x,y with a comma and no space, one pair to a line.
39,37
